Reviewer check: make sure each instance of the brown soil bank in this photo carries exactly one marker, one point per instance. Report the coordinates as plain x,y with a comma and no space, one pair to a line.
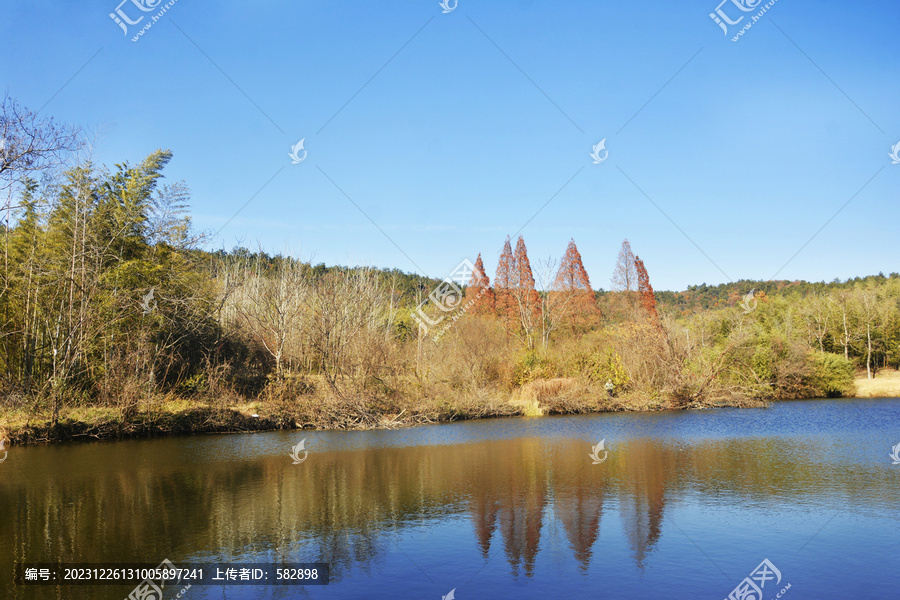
173,416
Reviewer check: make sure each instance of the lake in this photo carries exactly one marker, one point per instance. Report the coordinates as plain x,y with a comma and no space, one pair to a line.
684,504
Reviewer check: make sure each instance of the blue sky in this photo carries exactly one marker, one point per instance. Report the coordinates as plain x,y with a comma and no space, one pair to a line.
451,131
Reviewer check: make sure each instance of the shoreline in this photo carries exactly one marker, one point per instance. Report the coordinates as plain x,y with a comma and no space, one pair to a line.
107,425
169,416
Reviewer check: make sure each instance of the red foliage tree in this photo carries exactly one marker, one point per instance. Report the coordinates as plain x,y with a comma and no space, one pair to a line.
516,298
528,301
648,298
504,281
524,278
573,283
479,291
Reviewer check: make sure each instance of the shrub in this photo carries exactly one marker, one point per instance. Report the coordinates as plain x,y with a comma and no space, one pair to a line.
533,366
601,366
832,375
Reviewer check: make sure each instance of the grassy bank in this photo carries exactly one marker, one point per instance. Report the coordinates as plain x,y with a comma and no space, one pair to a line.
164,417
532,389
169,415
885,384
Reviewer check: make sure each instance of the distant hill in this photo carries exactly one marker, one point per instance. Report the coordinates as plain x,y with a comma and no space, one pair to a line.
703,296
410,288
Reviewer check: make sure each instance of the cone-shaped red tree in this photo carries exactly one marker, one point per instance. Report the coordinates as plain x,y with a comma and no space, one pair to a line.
515,296
524,276
504,281
648,298
479,291
528,301
573,283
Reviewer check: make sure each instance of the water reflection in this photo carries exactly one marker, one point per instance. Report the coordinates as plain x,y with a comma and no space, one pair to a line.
116,503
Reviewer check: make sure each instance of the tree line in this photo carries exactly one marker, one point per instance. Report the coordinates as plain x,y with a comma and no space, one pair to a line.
108,300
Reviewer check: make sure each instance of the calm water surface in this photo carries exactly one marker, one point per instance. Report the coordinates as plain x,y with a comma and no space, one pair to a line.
686,505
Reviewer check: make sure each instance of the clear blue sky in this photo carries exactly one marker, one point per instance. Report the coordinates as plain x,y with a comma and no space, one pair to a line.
467,123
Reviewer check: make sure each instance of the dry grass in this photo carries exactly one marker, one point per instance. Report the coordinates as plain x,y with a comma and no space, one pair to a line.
311,404
529,407
557,395
886,384
160,415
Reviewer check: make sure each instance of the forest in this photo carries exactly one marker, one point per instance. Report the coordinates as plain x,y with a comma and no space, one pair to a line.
117,322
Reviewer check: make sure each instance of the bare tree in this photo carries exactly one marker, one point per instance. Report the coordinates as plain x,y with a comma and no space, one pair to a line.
30,144
843,301
346,309
271,305
625,277
556,301
816,314
875,311
625,280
